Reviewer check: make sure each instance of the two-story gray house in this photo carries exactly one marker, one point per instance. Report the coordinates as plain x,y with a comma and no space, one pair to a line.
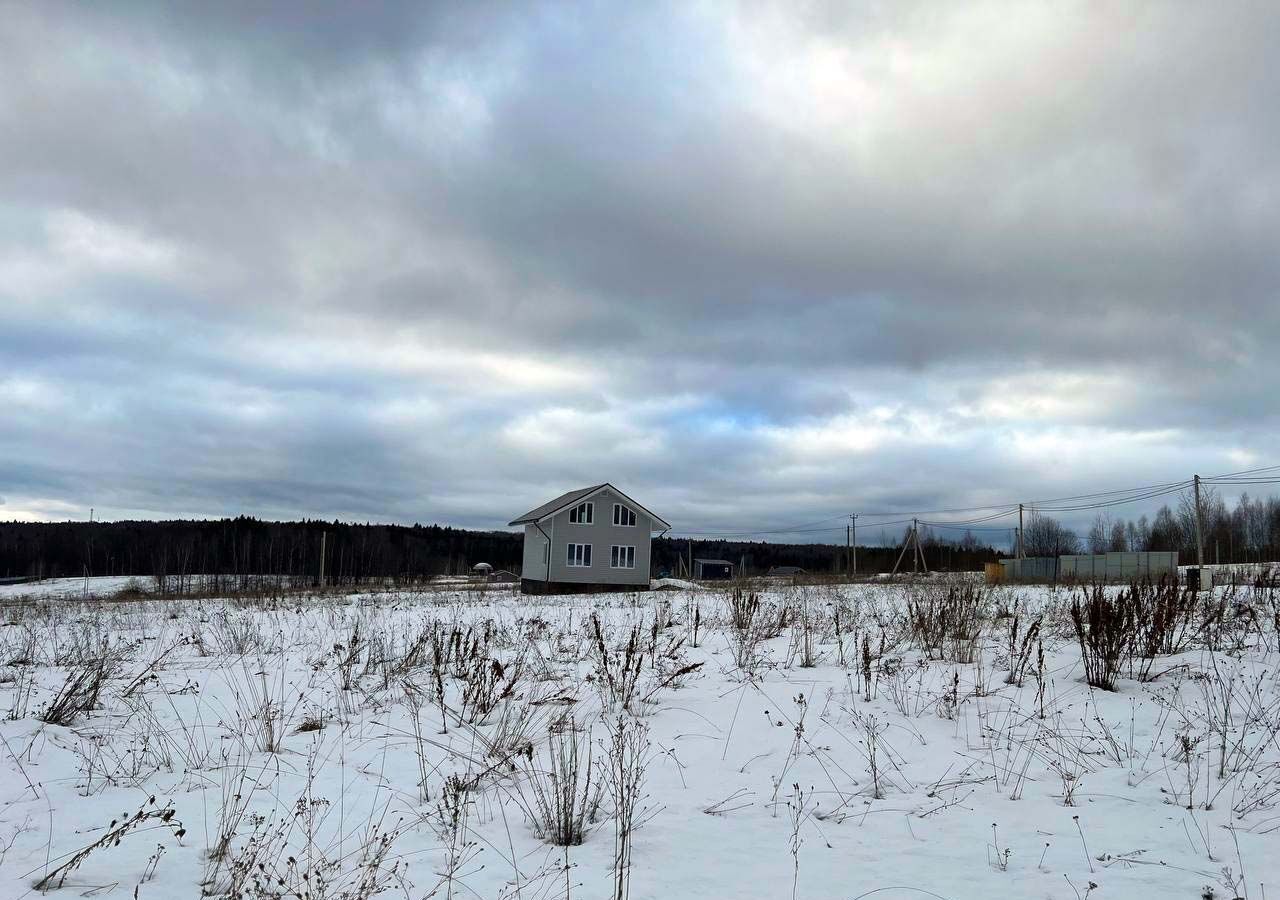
592,539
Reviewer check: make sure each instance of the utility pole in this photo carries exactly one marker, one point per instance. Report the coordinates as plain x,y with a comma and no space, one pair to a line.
912,542
1019,530
905,544
853,526
1199,534
915,539
323,536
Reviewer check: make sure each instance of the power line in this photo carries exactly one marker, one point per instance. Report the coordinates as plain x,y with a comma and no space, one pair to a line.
1096,500
1120,501
1243,472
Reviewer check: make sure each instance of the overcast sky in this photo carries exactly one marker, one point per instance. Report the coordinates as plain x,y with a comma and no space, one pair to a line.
755,263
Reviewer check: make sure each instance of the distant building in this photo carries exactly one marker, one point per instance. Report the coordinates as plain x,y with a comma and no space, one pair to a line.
712,569
785,572
590,539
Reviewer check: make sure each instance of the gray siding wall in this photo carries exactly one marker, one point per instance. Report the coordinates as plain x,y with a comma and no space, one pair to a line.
534,564
601,534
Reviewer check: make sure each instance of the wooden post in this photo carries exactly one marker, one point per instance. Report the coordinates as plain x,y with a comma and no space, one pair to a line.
905,544
853,527
1020,556
1199,534
915,541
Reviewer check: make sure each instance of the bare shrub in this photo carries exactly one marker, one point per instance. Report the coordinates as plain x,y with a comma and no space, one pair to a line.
948,621
296,852
803,650
512,730
559,793
486,682
742,609
83,686
1104,627
751,623
266,710
237,790
617,671
149,814
624,773
1021,644
1164,619
236,635
347,654
451,824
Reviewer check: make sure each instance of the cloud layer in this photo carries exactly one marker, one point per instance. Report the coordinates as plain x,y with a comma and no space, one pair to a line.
754,263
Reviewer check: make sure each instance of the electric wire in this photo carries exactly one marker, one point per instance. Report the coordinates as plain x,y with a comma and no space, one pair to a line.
993,512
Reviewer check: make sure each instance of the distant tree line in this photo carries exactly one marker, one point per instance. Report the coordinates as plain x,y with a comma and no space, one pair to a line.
1249,532
246,548
181,555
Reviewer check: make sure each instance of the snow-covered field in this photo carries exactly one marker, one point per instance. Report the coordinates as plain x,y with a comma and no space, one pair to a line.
803,742
97,586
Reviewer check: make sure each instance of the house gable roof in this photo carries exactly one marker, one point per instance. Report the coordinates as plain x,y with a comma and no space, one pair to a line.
549,509
554,506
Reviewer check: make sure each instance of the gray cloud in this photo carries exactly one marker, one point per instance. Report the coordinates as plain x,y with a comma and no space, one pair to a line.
761,264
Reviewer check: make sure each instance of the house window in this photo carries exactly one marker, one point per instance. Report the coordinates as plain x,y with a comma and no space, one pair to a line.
623,516
622,557
582,514
579,556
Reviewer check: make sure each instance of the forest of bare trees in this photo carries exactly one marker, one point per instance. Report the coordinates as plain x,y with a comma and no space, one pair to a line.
1247,532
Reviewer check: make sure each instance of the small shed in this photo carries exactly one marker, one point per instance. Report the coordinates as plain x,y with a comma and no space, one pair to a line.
712,569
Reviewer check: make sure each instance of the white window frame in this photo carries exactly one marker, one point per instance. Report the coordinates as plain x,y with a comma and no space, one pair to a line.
577,556
586,508
621,513
622,556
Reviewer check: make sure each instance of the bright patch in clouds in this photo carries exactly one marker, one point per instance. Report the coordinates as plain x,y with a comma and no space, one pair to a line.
94,243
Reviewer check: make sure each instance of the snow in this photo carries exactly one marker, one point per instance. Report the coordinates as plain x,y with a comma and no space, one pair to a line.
97,586
729,752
